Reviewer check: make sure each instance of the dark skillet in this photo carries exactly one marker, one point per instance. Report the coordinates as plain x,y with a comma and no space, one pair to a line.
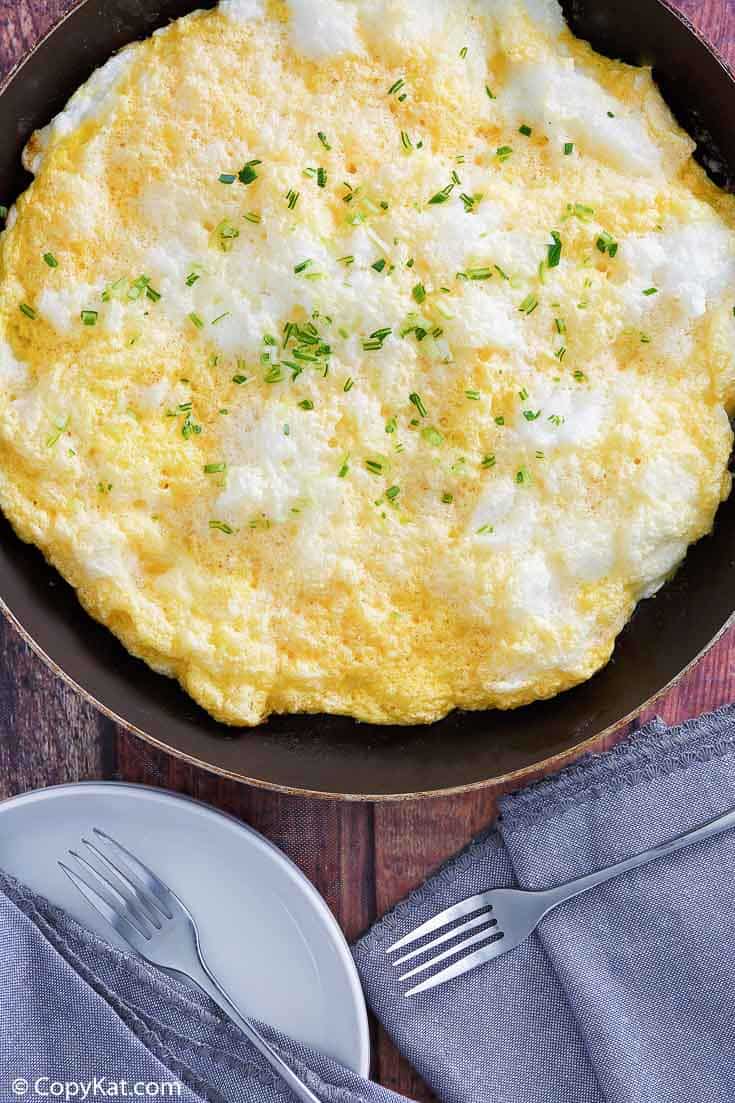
333,756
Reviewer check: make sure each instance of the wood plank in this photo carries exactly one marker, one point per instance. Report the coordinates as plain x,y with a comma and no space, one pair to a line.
48,733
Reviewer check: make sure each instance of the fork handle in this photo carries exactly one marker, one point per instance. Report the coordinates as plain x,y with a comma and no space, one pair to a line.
571,889
206,981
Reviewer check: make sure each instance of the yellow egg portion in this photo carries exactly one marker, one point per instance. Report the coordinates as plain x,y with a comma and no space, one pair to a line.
367,358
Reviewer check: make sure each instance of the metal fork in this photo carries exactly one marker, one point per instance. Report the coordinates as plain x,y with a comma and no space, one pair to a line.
149,916
509,916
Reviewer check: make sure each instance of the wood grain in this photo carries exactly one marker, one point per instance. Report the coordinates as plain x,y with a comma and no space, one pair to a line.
362,858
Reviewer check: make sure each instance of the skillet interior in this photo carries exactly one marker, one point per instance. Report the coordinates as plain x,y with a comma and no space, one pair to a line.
335,756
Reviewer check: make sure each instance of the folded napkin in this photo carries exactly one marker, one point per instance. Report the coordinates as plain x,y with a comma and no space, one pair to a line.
625,995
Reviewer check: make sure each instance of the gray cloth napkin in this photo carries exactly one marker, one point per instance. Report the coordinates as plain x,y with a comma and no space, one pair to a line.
626,995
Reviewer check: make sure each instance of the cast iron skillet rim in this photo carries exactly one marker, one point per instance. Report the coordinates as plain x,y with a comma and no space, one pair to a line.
543,766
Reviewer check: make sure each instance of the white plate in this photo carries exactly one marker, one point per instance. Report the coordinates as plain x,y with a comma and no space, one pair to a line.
265,930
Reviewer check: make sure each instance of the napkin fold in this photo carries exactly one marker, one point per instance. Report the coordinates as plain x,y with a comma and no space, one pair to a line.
624,995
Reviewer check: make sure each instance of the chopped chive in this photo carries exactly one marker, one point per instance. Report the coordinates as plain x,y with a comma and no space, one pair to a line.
321,177
196,320
306,404
500,272
447,499
523,477
252,216
580,210
344,469
442,196
349,384
579,376
89,317
346,260
463,52
568,148
500,420
607,244
479,273
379,265
474,396
489,93
432,436
406,141
561,353
323,139
532,415
374,467
247,174
392,493
292,198
60,427
227,233
554,250
274,374
417,401
51,260
220,317
28,311
192,278
3,213
299,268
488,461
471,201
214,468
651,291
222,526
394,88
419,293
561,326
529,304
228,178
503,152
239,379
525,130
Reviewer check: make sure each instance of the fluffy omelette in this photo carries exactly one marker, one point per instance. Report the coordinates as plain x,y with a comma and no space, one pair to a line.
366,356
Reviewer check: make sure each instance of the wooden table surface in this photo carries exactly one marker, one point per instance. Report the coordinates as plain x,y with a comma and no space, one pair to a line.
363,858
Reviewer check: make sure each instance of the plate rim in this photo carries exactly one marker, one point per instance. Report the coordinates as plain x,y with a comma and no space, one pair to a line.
340,941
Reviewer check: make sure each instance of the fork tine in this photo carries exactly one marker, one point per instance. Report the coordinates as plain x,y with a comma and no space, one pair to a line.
481,936
464,965
486,919
114,896
119,922
162,892
457,911
135,896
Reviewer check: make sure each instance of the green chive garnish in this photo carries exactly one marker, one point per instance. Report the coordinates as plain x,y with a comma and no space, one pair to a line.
214,468
28,311
89,317
568,148
51,260
227,178
554,250
196,320
525,130
247,174
323,139
221,526
417,401
447,499
306,404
